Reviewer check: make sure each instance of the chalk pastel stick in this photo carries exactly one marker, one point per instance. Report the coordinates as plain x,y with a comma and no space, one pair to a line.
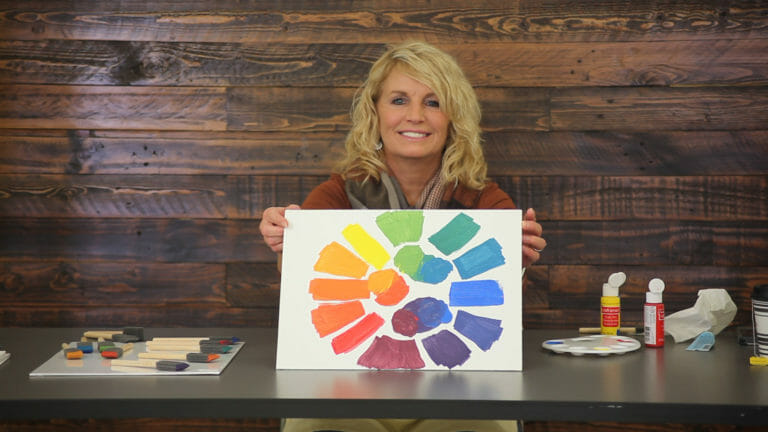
163,365
73,354
190,357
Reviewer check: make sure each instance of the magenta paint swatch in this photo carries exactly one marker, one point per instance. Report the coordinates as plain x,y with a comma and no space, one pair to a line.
446,349
388,353
480,330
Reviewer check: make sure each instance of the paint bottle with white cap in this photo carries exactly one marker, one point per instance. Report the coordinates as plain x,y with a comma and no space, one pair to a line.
653,314
610,305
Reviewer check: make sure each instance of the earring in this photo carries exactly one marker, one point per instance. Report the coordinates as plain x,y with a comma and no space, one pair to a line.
378,145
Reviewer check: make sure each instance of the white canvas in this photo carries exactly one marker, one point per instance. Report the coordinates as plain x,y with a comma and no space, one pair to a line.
485,314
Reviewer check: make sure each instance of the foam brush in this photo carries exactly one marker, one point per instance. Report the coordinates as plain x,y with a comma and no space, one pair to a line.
193,357
163,365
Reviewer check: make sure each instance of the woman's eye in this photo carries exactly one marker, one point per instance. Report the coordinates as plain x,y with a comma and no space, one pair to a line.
433,103
398,101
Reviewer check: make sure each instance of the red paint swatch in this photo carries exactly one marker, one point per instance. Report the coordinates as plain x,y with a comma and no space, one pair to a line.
388,353
331,317
361,331
339,289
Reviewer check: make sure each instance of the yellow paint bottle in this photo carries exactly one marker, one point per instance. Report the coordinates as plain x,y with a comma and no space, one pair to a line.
610,310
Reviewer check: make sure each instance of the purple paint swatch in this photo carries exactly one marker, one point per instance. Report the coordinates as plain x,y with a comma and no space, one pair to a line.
420,315
388,353
480,330
446,349
480,259
476,293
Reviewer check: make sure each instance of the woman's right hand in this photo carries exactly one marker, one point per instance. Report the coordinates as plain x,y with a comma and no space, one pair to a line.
273,224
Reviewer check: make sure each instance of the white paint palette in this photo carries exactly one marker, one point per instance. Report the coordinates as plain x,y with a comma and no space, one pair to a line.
601,345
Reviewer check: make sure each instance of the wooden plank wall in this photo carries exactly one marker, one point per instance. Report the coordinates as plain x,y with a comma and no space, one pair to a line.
141,141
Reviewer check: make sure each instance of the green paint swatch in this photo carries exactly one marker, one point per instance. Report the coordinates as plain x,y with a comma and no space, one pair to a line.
408,260
401,226
455,234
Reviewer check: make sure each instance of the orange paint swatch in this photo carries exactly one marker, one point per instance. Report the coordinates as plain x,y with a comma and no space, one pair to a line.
339,289
328,318
356,335
340,261
381,280
396,292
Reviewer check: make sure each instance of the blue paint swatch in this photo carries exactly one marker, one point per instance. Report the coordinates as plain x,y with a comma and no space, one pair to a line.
480,259
433,270
429,313
480,330
455,234
476,293
446,349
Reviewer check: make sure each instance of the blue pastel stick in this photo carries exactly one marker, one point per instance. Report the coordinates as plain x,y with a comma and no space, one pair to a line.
479,259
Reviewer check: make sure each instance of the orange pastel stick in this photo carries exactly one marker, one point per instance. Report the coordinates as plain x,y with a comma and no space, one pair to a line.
328,318
339,289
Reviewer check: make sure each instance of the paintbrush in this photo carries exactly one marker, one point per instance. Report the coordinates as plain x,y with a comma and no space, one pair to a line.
193,357
225,340
163,365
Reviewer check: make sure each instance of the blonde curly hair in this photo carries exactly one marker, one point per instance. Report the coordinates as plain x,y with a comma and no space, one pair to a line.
463,160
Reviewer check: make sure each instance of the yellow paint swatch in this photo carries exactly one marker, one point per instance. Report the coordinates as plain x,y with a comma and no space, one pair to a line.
340,261
365,245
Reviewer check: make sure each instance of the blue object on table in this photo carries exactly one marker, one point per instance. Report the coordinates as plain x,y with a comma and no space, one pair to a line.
703,342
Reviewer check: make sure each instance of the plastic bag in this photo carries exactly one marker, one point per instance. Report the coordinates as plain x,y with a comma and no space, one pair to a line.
714,310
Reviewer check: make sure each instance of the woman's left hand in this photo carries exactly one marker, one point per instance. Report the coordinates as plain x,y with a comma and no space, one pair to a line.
533,243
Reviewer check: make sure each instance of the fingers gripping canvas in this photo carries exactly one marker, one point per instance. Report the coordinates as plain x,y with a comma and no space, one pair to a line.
401,289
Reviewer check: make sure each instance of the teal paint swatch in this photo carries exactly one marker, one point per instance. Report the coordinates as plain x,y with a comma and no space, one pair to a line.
401,226
434,270
455,234
479,259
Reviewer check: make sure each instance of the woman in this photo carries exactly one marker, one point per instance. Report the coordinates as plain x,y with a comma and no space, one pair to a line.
414,143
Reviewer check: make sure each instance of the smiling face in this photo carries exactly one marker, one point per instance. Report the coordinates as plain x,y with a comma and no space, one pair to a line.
411,124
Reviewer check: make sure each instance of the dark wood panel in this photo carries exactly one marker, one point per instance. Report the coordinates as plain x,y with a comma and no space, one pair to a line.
112,107
289,109
657,198
656,108
111,316
53,284
166,152
378,21
115,196
681,153
147,240
278,64
704,198
253,285
626,242
326,109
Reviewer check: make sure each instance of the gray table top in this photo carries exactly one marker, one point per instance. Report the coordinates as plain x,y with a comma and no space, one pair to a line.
650,385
